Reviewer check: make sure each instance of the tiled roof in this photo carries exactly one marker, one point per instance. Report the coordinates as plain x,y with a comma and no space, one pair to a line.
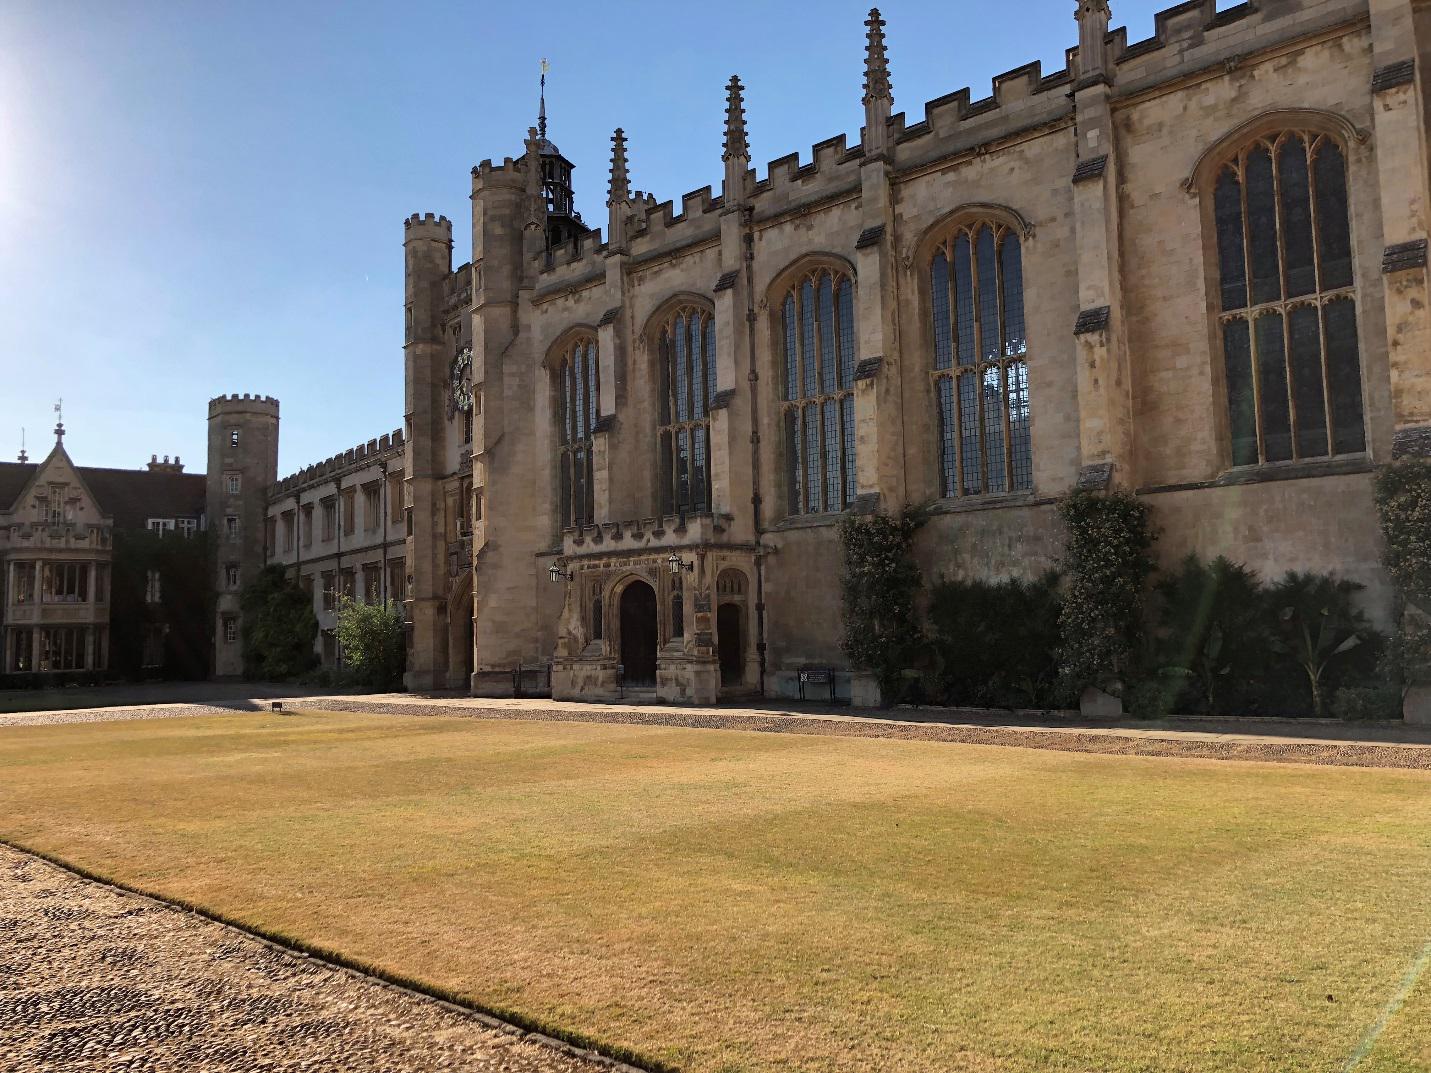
130,496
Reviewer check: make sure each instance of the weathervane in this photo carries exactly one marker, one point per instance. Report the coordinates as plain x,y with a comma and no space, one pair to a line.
24,457
59,419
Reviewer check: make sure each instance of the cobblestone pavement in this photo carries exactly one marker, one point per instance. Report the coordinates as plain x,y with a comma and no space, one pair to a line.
1390,745
94,979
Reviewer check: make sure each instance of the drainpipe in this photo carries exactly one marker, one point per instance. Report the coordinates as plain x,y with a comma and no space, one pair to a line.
298,538
338,535
383,582
753,377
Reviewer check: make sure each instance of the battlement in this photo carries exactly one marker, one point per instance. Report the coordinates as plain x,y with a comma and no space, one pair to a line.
383,448
1187,37
245,403
426,225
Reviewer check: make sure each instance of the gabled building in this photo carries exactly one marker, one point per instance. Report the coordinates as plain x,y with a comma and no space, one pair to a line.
77,556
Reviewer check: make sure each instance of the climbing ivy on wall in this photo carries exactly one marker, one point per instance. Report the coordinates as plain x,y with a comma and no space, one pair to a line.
1403,502
1106,564
880,584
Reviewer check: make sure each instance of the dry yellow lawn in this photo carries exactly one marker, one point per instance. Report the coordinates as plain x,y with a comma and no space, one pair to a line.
725,901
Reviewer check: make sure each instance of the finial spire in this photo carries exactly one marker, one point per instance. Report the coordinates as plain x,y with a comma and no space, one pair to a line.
23,456
542,111
737,148
735,141
877,83
879,96
619,190
618,194
59,420
1093,17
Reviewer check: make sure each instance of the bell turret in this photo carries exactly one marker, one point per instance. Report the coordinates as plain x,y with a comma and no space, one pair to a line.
563,221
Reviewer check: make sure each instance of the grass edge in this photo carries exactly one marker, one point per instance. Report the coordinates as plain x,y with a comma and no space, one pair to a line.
513,1022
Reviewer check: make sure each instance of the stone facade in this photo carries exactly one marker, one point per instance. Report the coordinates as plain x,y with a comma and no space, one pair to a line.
1104,173
339,528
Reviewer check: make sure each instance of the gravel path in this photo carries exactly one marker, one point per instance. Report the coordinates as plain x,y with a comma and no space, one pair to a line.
1309,744
95,979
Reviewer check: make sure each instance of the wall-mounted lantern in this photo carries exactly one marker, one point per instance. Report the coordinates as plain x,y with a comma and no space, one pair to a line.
677,564
556,573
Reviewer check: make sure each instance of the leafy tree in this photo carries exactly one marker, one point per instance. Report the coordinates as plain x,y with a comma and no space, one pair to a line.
374,642
997,642
1212,633
1106,564
1317,625
880,582
279,626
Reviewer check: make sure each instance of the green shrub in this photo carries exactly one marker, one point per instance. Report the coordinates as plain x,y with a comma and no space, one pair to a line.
373,642
1318,628
279,627
1210,634
1106,564
879,583
996,643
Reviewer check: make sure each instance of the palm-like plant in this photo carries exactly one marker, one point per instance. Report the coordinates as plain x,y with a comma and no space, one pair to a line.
1315,621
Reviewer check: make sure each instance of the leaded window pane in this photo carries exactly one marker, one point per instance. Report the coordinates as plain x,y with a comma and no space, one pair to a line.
792,353
1305,347
1272,387
1241,402
847,335
819,436
687,336
1291,367
1295,189
1262,223
1232,262
1333,231
577,390
1344,376
939,303
980,376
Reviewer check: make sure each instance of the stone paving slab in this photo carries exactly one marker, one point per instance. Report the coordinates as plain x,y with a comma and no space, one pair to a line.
98,980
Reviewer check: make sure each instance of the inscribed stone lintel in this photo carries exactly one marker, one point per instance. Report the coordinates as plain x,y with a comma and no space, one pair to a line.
1097,477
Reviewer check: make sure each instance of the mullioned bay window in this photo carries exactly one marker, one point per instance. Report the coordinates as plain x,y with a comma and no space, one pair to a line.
817,333
577,387
687,368
1288,300
981,381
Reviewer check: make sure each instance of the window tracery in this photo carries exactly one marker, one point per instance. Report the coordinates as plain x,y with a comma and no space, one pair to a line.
577,405
687,369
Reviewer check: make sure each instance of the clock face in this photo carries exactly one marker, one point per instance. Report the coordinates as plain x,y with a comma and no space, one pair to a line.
461,380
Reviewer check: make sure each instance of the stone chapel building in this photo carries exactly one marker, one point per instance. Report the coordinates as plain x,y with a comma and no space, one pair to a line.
1193,267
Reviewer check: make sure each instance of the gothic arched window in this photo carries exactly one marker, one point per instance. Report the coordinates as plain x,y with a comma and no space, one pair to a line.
686,350
981,379
817,332
1293,374
578,392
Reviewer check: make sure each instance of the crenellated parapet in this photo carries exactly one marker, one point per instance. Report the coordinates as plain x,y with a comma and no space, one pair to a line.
266,405
385,448
427,226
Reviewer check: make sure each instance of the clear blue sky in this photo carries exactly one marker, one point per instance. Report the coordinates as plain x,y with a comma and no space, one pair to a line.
200,197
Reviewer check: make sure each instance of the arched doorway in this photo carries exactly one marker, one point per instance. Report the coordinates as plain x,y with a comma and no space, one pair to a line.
730,626
639,636
729,641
